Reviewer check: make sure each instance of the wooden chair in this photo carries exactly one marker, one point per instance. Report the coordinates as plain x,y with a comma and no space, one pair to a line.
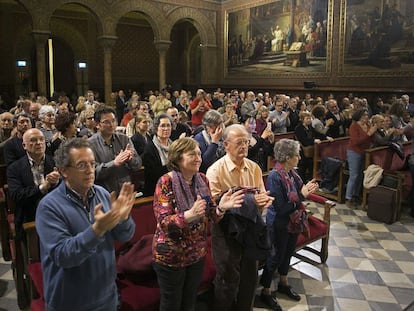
319,230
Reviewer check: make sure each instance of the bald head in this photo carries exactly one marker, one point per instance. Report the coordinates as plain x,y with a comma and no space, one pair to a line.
34,143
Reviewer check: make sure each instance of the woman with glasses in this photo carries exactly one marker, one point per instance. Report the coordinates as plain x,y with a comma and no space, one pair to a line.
183,208
154,157
87,123
289,191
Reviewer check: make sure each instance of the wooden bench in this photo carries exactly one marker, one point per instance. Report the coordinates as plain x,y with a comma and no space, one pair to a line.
319,230
335,149
393,166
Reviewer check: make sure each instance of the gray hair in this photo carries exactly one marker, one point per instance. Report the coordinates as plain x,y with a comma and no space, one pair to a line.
44,110
157,120
212,117
285,148
62,157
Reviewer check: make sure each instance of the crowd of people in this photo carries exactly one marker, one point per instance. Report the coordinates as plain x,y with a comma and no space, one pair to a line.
70,166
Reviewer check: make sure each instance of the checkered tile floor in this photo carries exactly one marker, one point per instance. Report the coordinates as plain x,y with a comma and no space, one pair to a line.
370,267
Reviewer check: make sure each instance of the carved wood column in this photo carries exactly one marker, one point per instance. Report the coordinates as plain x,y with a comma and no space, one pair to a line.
162,47
107,43
40,38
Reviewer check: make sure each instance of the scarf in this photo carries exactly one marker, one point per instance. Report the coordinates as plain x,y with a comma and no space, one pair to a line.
185,194
162,150
298,220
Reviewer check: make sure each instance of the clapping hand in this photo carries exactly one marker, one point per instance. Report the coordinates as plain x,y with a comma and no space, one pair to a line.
231,200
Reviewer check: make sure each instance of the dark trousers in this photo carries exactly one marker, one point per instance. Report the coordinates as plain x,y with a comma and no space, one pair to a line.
179,286
284,244
236,275
411,166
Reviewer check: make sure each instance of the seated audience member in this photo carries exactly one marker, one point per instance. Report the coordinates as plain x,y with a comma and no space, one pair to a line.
230,116
260,147
183,119
209,139
47,127
178,130
62,107
183,104
283,217
199,106
115,155
13,147
66,125
338,127
30,178
279,118
90,100
318,121
154,157
237,266
130,127
77,224
141,137
182,200
88,126
6,126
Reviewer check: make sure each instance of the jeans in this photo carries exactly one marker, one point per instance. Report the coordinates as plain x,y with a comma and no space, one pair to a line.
179,286
356,167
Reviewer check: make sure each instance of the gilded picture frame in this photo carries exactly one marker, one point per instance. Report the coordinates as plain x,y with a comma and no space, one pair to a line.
377,38
289,38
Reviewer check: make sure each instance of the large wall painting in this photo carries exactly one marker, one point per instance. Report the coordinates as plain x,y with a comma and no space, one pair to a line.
379,37
284,36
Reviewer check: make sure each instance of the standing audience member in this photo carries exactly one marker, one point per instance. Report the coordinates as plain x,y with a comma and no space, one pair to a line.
34,112
91,102
66,125
286,186
230,116
161,104
360,138
77,224
182,201
199,106
178,130
88,126
141,137
30,178
115,155
338,127
279,118
121,104
294,119
250,106
13,148
236,277
47,127
210,139
262,120
319,124
154,157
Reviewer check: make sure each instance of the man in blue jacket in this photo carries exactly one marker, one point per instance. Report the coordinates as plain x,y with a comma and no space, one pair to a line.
77,224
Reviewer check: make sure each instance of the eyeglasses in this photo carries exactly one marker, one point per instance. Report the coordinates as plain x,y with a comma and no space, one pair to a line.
83,166
239,143
109,122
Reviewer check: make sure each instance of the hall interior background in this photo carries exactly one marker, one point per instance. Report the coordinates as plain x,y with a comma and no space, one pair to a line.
141,45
